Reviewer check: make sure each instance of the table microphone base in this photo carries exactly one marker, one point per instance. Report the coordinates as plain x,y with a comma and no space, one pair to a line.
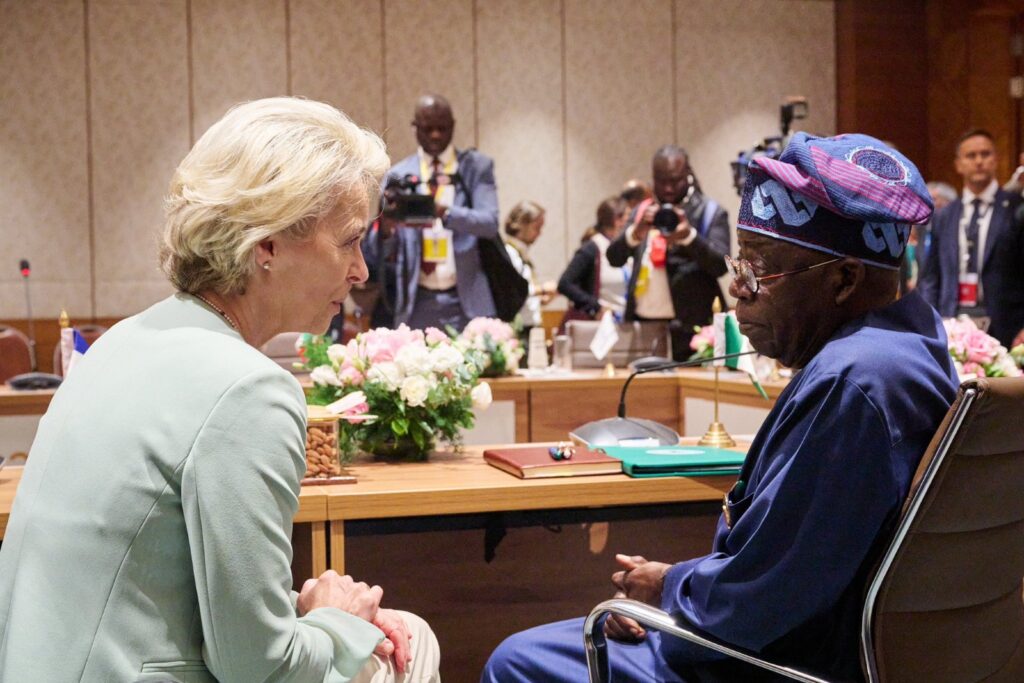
616,431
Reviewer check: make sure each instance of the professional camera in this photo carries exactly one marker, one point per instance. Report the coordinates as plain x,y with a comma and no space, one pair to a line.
666,220
403,200
794,108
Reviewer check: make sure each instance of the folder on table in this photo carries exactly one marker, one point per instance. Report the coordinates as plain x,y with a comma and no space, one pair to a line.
681,461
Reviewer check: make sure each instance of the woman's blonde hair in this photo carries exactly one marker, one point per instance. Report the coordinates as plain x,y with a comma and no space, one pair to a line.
522,214
270,166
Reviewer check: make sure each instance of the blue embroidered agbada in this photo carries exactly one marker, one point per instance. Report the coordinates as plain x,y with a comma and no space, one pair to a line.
823,483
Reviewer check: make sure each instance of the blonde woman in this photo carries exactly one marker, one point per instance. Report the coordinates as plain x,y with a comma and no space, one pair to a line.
150,538
522,228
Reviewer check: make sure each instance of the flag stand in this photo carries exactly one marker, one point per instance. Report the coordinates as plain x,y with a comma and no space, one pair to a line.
716,435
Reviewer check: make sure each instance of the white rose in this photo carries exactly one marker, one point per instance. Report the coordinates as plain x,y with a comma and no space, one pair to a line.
445,358
387,373
414,359
324,375
337,353
481,395
414,390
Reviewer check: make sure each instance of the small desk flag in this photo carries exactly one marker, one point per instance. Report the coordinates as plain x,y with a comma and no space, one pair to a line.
729,339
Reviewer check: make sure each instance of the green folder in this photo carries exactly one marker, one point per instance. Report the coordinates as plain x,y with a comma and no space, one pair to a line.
676,461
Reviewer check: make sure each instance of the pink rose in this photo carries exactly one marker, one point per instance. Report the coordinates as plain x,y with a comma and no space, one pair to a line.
349,375
435,336
360,409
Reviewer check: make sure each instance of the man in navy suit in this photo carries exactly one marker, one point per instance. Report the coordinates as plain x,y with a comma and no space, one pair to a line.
438,277
976,261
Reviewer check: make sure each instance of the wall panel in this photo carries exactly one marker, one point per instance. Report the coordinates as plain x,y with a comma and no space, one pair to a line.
44,199
567,96
618,97
337,56
428,48
239,53
519,56
140,133
734,72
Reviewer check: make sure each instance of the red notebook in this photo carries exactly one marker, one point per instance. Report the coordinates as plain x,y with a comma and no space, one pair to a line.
532,462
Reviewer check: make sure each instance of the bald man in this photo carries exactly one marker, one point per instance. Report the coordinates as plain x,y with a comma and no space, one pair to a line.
436,278
675,279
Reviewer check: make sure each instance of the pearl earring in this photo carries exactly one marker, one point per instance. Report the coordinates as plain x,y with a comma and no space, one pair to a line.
266,266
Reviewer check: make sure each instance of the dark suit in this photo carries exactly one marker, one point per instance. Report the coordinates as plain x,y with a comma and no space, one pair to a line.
693,271
474,213
1002,271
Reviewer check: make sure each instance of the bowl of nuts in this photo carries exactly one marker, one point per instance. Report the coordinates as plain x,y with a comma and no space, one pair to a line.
323,457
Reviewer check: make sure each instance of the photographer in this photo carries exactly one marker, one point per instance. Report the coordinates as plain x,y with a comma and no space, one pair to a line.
678,242
437,204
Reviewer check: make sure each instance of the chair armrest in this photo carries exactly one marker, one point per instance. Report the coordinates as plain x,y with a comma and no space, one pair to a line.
654,618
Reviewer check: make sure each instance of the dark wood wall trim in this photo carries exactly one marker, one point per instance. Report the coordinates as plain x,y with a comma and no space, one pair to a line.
881,73
920,73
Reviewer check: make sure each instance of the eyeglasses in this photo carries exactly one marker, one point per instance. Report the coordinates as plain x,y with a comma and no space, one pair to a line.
743,273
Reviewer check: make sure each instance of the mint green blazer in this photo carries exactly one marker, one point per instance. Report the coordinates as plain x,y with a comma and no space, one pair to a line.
150,535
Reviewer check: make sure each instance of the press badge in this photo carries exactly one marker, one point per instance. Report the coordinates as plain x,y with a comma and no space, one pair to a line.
436,242
642,278
968,289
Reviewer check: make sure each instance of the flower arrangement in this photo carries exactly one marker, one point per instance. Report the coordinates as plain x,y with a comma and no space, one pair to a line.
398,391
703,342
496,342
976,353
1017,353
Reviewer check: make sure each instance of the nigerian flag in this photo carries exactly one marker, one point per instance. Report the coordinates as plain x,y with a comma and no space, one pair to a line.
729,339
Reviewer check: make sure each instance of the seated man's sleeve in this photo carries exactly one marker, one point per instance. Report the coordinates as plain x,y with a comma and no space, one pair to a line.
239,495
482,219
812,520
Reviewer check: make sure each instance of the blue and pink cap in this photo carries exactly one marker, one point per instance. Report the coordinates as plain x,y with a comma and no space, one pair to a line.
849,195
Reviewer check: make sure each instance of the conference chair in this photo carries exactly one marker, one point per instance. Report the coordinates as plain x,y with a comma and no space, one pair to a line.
90,333
281,349
15,353
636,340
945,601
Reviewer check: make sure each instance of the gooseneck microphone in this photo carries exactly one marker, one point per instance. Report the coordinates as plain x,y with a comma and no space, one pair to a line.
670,366
26,271
625,431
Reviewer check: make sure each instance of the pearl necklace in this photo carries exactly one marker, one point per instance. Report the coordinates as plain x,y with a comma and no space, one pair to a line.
221,311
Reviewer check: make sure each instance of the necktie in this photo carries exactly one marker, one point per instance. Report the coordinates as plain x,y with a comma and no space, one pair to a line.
972,237
432,185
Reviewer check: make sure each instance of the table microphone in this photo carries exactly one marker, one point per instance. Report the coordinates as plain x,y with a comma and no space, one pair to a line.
615,431
26,270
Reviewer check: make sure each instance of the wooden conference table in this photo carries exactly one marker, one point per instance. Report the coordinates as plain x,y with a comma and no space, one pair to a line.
449,484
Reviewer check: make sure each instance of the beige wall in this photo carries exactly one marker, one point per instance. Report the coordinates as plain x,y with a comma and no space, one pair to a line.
100,99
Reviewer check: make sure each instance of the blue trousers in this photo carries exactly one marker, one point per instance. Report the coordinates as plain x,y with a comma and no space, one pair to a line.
437,308
553,653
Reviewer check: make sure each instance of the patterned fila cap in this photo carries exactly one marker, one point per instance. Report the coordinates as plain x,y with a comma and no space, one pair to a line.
849,195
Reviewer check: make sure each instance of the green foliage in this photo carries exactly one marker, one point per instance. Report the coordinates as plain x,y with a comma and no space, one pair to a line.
409,431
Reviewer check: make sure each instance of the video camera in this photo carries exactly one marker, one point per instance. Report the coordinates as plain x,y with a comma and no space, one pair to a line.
405,199
792,109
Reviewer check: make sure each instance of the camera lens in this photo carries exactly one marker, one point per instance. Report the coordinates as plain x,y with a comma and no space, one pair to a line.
666,220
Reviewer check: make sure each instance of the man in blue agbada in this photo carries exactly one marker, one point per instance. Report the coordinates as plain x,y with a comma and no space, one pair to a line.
821,233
